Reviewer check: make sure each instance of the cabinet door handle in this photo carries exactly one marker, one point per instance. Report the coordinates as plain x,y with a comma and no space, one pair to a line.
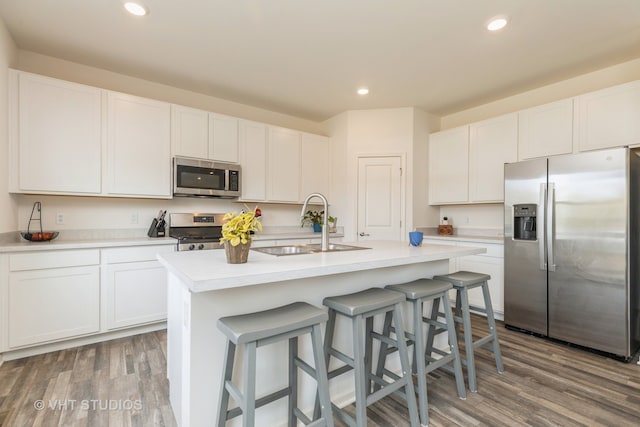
363,234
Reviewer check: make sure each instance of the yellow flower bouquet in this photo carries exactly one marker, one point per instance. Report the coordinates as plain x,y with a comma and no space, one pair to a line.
237,228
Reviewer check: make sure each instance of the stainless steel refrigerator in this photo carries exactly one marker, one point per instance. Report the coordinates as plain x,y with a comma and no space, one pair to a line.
571,261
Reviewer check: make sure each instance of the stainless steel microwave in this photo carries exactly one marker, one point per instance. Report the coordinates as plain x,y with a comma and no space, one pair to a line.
205,178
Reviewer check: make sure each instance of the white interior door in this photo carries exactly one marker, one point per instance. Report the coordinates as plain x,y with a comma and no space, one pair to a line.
379,198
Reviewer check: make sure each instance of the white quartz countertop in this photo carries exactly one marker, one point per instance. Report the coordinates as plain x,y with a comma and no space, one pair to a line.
108,238
499,240
204,271
13,242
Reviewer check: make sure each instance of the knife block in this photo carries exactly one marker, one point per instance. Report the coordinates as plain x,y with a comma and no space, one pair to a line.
156,230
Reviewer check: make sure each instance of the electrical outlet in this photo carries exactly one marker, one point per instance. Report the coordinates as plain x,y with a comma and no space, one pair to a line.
134,218
60,218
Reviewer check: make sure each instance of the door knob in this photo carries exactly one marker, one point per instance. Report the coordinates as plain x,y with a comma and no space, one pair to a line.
363,234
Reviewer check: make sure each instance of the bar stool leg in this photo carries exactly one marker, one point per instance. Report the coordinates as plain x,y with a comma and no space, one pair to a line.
293,380
321,376
248,403
431,331
404,364
386,331
463,296
360,374
368,349
453,344
492,326
458,311
419,359
229,354
326,346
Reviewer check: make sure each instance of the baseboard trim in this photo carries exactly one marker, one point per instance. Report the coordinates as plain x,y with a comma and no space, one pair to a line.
77,342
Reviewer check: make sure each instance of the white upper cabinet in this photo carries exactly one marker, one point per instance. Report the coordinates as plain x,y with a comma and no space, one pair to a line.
281,165
466,164
314,165
253,160
284,165
492,143
54,124
449,166
138,147
609,117
189,132
223,138
546,130
204,135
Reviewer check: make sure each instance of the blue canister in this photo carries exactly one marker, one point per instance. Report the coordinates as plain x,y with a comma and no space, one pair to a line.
415,238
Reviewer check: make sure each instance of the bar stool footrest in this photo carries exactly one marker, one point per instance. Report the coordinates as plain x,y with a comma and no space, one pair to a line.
339,371
387,390
341,356
478,309
301,364
272,397
483,341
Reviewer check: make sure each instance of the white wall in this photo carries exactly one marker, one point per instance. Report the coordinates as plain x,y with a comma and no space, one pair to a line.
338,196
388,132
487,219
61,69
116,213
8,204
606,77
423,214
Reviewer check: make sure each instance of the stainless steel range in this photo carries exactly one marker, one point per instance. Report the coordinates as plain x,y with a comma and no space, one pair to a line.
196,231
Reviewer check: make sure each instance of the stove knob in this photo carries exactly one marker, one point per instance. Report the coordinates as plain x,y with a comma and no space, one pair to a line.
201,246
192,247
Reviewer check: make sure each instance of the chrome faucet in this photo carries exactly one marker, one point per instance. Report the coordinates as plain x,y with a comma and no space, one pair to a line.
325,218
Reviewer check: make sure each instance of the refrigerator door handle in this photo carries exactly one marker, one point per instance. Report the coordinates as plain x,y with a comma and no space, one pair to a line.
551,211
541,228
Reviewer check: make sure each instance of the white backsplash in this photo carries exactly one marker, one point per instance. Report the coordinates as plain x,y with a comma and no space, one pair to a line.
99,213
475,219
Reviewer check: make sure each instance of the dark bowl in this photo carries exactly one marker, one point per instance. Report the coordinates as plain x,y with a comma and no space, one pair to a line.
45,236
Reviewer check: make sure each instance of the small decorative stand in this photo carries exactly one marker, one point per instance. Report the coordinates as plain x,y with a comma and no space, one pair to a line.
445,230
237,254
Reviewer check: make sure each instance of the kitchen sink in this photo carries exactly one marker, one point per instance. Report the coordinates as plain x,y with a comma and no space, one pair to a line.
311,248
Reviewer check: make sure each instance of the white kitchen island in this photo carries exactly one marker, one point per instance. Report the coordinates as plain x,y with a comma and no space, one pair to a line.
203,288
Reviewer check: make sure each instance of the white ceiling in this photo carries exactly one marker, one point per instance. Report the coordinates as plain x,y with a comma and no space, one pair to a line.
307,57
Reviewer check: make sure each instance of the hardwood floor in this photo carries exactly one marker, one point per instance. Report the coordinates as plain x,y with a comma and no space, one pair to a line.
544,384
117,383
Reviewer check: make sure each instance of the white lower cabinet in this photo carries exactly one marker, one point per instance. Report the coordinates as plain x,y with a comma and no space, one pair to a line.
136,286
491,262
48,303
47,297
136,293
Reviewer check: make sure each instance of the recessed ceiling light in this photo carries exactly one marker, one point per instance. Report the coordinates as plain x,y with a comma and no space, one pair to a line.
497,23
363,91
135,8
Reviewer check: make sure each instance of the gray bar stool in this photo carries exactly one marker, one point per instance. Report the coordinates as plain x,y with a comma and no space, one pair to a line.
254,330
418,293
361,307
463,281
